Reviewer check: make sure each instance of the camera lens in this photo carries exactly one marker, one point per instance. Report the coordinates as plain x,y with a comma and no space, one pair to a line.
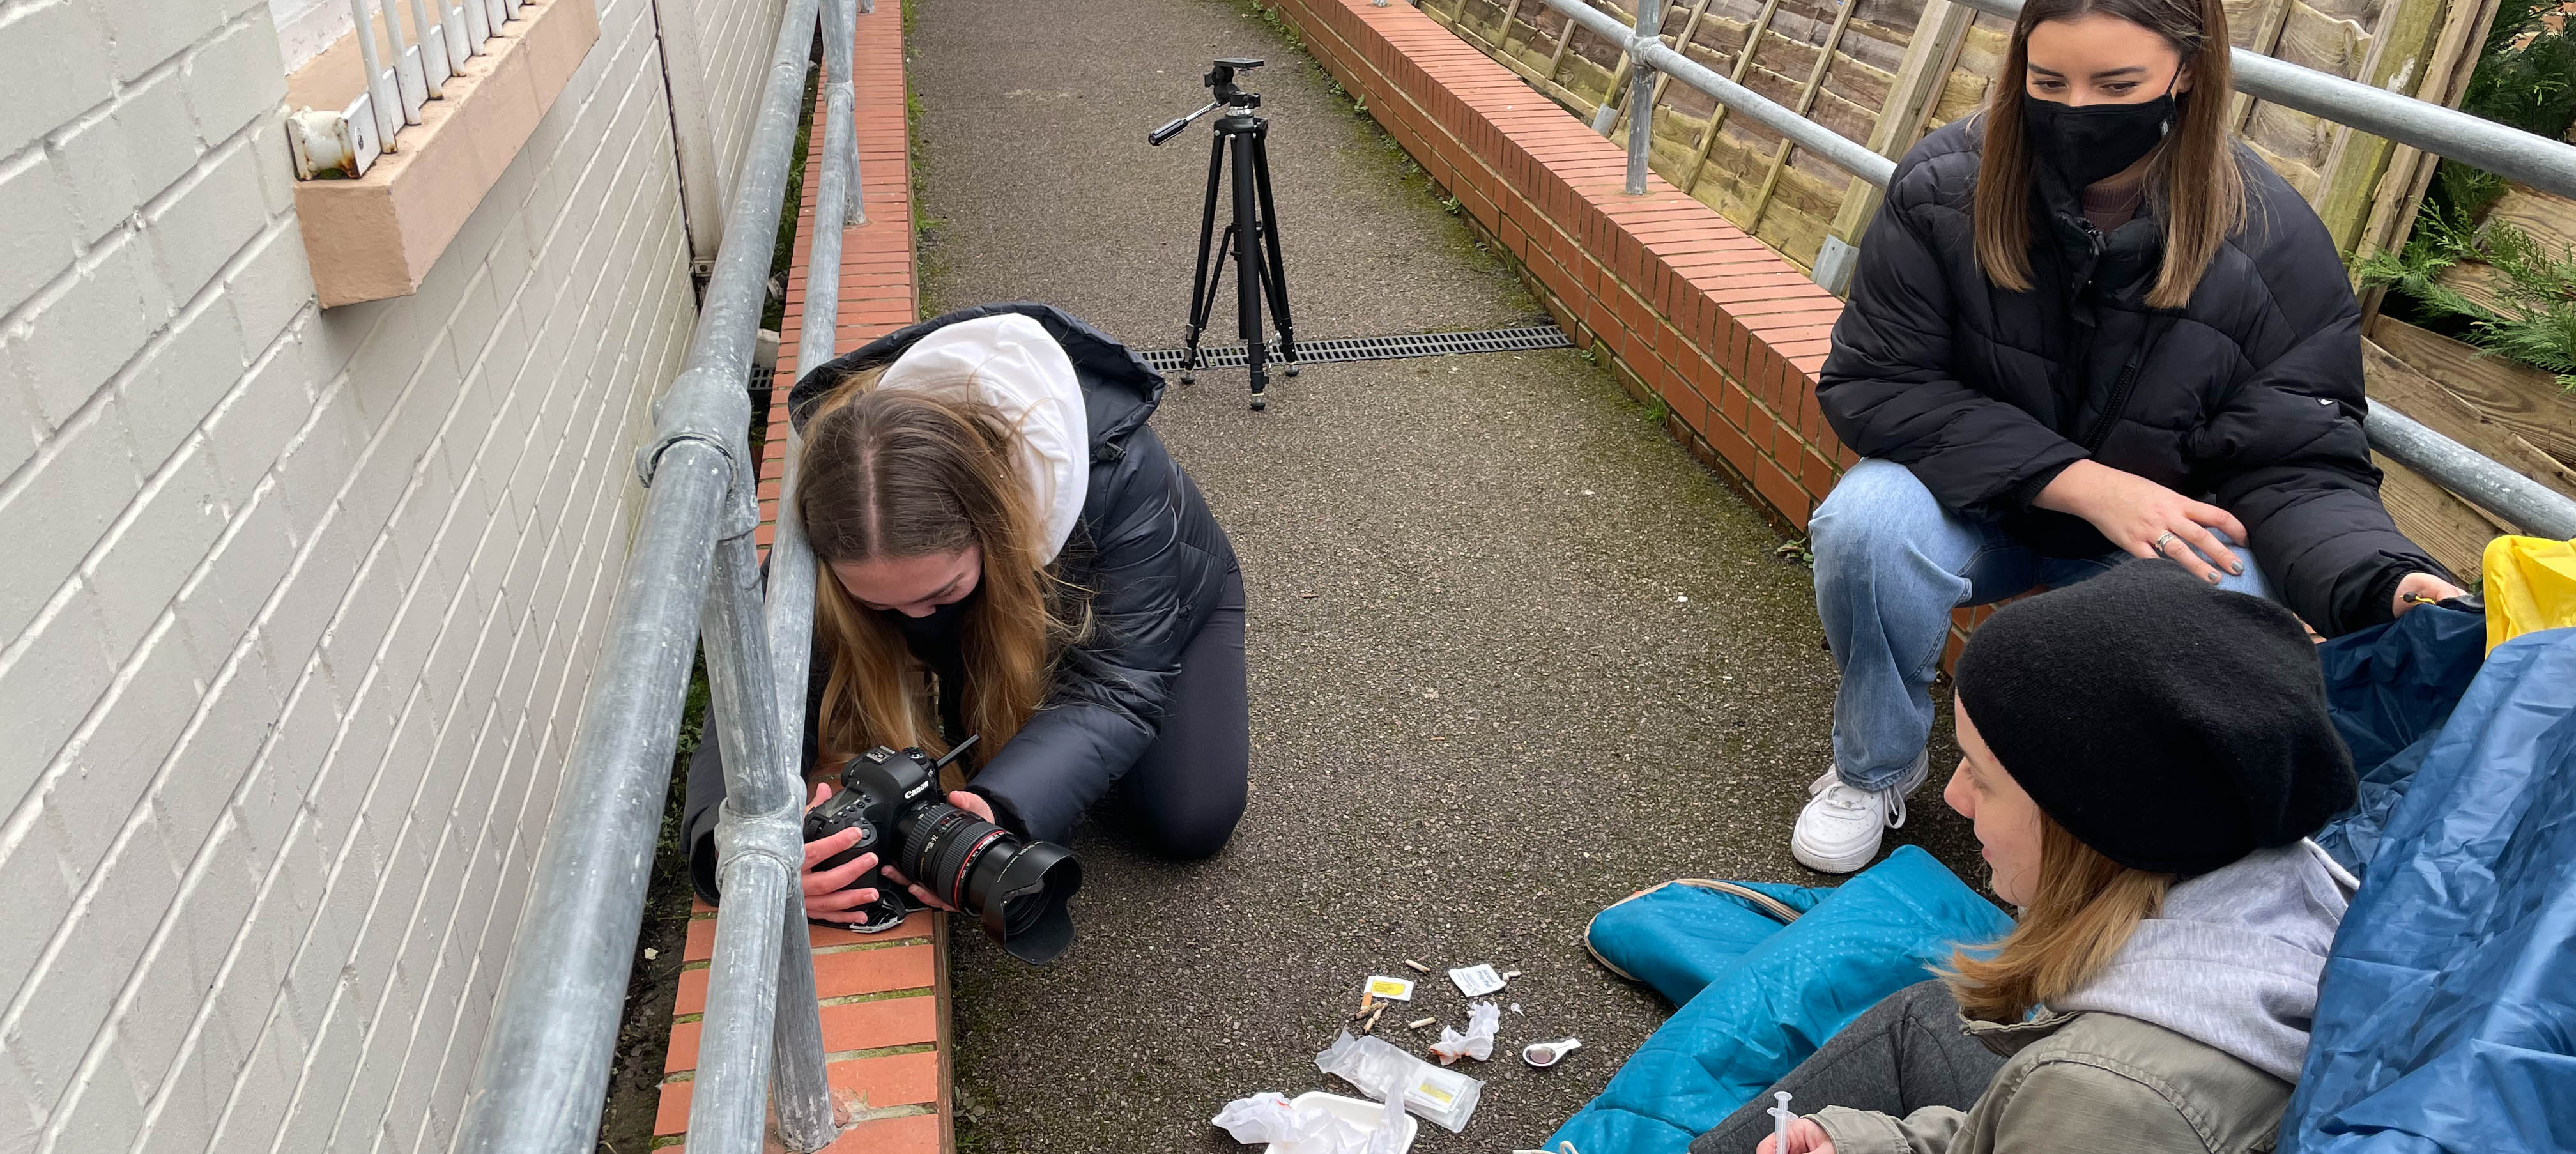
1017,889
942,848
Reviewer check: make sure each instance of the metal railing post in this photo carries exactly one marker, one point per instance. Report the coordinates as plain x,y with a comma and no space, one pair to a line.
538,1084
758,987
1641,91
840,106
760,849
799,1085
1850,155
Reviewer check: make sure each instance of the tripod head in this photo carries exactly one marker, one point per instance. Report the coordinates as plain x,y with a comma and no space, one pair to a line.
1228,96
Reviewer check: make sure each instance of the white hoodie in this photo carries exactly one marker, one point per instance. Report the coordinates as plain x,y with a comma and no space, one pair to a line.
1011,363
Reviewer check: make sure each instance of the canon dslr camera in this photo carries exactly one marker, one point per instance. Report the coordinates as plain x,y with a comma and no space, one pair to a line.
1018,888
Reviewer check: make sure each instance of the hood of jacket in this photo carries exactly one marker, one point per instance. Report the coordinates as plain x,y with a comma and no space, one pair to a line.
2232,959
1075,394
1118,391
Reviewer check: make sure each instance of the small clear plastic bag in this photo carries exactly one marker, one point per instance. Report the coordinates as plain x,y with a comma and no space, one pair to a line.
1385,1073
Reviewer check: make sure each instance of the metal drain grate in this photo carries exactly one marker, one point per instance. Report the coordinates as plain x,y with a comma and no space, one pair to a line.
1394,348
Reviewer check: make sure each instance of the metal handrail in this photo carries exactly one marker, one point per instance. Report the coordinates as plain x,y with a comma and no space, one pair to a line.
1645,45
694,572
2535,160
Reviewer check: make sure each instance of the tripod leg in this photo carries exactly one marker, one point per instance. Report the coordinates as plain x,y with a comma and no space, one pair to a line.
1207,301
1274,270
1201,292
1247,265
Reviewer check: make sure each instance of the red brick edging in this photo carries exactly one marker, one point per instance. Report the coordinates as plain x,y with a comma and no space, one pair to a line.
1688,308
883,998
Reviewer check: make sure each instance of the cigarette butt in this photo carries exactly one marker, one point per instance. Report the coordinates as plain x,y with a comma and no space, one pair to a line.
1510,974
1371,1024
1368,1002
1418,967
1419,1023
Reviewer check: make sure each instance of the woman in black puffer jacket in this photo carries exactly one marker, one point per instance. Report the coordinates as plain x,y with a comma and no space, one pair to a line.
2086,325
1005,550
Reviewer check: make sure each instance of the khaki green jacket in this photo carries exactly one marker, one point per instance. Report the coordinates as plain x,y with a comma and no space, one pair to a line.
2087,1083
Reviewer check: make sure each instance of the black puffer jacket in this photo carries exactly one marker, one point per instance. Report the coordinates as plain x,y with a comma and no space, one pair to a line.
1146,545
2250,397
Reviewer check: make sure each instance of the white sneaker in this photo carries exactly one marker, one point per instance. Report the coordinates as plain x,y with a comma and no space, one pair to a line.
1839,830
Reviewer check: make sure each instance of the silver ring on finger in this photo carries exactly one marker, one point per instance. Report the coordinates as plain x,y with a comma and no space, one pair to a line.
2160,542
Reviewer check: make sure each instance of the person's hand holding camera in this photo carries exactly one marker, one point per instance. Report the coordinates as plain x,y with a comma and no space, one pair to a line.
1805,1137
973,803
2147,519
827,896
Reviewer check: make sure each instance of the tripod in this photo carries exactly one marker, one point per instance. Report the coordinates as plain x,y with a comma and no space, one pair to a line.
1252,238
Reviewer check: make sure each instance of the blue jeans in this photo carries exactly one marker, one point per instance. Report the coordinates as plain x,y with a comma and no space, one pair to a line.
1891,564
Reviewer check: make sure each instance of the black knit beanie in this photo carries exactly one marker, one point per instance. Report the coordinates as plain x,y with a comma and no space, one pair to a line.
2172,726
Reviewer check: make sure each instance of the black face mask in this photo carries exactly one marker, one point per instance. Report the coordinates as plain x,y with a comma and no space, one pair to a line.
935,628
2096,141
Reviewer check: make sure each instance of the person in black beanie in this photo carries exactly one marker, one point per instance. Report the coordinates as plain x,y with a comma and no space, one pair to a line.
2172,726
2144,759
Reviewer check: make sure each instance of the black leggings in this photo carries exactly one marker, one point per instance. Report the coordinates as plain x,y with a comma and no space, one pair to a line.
1185,794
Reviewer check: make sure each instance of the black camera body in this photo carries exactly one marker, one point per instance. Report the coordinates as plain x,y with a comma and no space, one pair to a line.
1016,888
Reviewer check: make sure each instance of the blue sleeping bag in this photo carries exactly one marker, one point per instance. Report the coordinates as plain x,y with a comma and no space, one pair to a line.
1759,996
2446,1018
2389,689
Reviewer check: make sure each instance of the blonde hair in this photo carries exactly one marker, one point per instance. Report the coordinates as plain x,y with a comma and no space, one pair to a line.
915,472
2192,174
2084,910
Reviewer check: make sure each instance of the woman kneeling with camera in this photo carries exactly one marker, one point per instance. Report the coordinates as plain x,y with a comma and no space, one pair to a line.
1005,551
2145,757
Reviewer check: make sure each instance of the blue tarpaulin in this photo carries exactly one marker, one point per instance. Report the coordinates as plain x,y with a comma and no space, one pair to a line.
2446,1018
1771,994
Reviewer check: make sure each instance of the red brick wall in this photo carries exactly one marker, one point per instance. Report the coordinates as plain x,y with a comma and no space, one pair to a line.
1688,308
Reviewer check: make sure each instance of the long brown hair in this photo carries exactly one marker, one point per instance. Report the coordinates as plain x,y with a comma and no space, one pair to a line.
917,472
2086,907
2192,176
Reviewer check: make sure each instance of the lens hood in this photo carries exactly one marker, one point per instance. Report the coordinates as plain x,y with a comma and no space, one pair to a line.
1026,910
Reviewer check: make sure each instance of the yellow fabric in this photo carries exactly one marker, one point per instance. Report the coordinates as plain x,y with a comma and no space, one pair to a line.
2530,585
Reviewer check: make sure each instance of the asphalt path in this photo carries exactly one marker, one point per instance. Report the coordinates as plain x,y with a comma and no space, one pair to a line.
1513,654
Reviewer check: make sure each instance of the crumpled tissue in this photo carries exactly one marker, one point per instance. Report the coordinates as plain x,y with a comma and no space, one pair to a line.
1478,1042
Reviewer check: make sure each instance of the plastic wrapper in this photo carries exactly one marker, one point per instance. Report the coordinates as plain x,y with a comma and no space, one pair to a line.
1271,1118
1386,1073
1483,1018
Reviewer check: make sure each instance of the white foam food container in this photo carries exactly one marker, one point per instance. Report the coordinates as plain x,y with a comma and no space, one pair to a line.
1360,1112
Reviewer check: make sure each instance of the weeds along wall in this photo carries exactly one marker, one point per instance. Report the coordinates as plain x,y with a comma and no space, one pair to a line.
300,604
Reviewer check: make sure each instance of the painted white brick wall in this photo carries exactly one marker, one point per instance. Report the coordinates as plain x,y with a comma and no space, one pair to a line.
715,53
299,606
